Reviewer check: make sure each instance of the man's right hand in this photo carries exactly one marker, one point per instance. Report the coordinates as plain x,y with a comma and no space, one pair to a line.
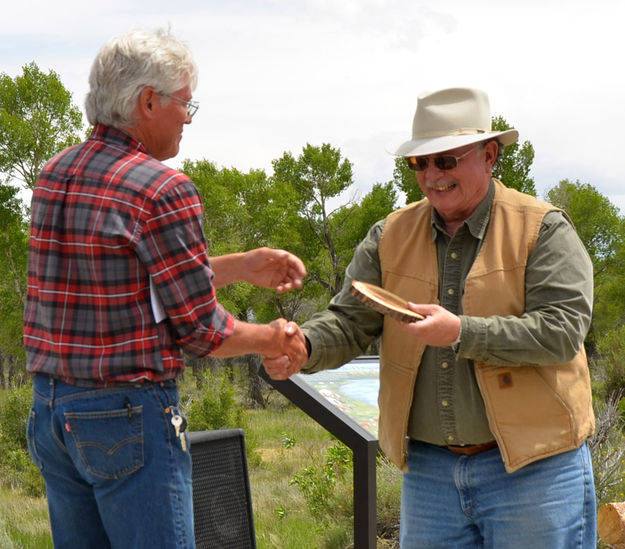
291,353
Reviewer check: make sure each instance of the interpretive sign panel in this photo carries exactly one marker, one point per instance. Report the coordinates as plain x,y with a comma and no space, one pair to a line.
352,388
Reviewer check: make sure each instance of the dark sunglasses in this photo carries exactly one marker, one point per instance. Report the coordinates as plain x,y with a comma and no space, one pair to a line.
443,162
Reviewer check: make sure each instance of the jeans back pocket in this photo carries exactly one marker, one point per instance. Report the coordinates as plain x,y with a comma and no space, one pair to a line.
110,442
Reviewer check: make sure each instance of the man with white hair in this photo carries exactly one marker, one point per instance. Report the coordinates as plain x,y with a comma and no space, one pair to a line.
485,404
119,285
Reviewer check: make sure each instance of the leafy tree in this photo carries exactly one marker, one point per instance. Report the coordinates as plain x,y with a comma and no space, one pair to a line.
514,164
317,177
597,220
357,219
242,212
37,120
245,211
290,210
406,181
13,256
602,230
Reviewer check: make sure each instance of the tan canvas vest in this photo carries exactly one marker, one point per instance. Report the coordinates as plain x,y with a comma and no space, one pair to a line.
533,412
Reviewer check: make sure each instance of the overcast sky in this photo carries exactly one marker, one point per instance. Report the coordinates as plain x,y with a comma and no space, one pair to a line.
277,74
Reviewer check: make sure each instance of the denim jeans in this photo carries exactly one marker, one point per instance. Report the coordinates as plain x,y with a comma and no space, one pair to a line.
454,501
115,473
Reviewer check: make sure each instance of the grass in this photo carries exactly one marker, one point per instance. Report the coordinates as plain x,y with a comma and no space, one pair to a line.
23,521
291,441
281,517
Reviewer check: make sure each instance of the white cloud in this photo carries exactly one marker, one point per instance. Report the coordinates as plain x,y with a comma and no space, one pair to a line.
277,74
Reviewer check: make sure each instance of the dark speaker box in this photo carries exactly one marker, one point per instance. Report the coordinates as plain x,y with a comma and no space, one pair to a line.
222,502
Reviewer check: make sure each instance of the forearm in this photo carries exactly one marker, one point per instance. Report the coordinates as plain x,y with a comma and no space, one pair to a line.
336,339
227,268
265,267
247,339
538,338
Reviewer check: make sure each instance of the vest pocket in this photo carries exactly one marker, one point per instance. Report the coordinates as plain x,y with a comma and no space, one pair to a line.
528,417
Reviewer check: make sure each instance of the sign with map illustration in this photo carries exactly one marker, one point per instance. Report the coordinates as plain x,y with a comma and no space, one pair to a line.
352,388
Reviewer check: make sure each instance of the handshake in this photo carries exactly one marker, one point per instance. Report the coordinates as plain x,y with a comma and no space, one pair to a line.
289,351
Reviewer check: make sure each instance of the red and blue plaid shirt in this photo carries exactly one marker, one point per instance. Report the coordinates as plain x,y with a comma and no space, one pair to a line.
106,219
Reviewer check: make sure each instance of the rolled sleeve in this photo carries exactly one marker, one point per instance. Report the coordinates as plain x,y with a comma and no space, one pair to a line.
174,250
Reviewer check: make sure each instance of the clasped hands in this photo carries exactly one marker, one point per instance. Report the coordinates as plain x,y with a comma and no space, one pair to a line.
291,352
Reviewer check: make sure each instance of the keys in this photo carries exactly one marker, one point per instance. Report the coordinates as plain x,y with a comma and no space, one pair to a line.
180,424
176,421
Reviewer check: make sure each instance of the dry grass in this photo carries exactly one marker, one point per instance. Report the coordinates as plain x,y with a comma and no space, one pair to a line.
23,522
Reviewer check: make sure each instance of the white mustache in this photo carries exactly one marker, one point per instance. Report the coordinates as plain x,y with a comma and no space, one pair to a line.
433,185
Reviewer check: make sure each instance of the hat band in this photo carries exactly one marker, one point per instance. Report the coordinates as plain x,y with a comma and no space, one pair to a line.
459,131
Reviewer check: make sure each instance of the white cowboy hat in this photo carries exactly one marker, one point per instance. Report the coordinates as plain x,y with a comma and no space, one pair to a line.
448,119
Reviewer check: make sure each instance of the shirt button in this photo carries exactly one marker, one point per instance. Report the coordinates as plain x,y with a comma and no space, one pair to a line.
445,403
454,255
445,365
450,291
450,438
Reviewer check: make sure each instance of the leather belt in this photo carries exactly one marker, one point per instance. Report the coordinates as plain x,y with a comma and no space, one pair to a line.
472,449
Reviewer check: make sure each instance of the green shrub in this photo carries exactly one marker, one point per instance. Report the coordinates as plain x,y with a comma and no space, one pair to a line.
608,367
217,407
327,487
16,468
14,412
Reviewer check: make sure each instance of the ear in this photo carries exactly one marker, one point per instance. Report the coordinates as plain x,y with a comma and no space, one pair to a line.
147,102
491,150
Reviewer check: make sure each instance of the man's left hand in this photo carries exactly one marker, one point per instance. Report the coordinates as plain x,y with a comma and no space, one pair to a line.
276,269
439,328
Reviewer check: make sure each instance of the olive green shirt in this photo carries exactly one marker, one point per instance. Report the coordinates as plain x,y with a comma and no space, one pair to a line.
448,407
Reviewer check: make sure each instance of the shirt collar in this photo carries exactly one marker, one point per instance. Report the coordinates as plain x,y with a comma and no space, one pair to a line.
477,222
116,137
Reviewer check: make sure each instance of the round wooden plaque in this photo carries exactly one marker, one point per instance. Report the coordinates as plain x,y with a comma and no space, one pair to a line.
383,301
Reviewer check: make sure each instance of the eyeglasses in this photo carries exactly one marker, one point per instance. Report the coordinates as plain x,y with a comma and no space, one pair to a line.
442,162
192,106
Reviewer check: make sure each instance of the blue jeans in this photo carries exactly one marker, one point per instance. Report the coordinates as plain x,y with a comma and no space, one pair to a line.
453,501
115,473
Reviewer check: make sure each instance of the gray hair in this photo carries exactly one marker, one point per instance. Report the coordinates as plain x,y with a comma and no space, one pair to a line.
127,64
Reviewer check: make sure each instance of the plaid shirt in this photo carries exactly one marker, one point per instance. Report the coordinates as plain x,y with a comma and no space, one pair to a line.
107,219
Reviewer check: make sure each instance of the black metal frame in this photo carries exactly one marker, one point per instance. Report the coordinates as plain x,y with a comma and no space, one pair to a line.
363,444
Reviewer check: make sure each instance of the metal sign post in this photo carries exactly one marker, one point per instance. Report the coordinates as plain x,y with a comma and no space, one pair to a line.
363,444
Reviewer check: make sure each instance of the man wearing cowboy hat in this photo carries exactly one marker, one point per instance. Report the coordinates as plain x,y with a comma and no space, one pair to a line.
486,403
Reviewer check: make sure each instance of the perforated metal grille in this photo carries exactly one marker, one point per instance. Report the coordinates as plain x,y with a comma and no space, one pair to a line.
222,505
